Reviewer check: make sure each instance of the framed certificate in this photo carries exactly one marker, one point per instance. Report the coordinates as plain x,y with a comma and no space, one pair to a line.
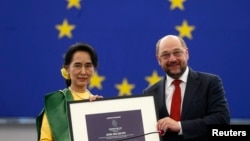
114,119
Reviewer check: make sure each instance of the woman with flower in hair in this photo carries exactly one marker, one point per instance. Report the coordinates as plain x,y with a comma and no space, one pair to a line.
80,63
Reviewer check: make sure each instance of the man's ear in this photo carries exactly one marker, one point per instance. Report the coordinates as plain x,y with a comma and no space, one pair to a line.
158,60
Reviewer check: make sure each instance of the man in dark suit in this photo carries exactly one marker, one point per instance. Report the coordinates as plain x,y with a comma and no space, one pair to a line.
202,95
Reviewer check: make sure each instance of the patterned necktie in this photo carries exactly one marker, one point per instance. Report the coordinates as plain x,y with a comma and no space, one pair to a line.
175,112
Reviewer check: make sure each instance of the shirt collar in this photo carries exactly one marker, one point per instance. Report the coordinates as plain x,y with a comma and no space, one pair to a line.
183,77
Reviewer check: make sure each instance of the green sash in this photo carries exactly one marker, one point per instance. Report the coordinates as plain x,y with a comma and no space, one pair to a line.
57,114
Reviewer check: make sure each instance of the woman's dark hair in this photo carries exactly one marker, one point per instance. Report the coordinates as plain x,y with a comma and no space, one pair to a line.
80,47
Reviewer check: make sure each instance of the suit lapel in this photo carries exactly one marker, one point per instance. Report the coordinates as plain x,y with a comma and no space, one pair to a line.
162,97
192,85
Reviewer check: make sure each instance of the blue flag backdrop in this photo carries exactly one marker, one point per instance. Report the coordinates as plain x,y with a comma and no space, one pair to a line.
35,34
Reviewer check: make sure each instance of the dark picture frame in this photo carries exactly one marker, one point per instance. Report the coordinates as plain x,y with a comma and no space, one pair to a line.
114,119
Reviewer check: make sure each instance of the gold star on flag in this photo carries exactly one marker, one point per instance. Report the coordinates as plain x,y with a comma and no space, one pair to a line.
185,29
153,78
65,29
96,81
73,3
124,88
177,4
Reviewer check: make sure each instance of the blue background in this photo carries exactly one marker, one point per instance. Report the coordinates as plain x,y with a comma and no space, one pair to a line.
124,33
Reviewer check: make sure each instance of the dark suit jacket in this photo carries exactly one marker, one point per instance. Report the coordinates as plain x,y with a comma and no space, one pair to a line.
204,103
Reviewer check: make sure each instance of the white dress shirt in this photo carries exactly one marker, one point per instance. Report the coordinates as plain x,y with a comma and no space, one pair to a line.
169,88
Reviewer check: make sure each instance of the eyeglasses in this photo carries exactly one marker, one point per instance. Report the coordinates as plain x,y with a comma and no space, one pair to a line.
176,53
